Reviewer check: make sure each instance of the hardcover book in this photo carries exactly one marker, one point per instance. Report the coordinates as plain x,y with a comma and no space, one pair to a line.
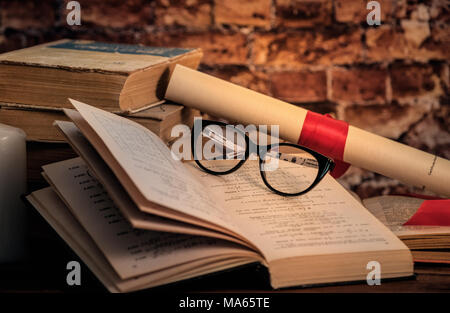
37,122
115,77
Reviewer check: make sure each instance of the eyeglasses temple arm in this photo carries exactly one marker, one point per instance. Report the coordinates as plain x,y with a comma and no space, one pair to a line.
308,162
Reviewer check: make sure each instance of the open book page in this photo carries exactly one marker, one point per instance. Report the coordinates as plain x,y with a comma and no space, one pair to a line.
152,169
137,218
59,217
50,206
125,181
394,211
131,252
326,220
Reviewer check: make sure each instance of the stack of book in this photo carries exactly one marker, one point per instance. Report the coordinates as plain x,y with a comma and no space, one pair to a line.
46,145
139,218
128,80
37,122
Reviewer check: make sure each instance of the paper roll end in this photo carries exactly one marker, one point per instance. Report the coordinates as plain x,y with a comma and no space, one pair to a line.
177,71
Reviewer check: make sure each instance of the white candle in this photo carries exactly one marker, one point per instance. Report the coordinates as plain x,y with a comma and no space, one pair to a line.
12,185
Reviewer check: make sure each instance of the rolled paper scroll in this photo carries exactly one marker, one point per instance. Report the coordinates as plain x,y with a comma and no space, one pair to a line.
360,148
326,136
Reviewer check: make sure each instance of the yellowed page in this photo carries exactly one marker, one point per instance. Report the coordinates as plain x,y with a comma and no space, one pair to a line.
363,149
142,203
58,216
394,211
131,252
326,220
330,220
120,197
152,169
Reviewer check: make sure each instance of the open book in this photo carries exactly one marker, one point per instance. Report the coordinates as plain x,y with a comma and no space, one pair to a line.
140,218
427,243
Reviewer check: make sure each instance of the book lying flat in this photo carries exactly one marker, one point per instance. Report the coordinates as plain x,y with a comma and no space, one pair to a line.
115,77
37,122
427,243
324,236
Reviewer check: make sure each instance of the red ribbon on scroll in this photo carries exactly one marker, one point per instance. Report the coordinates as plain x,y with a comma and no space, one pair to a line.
432,213
327,136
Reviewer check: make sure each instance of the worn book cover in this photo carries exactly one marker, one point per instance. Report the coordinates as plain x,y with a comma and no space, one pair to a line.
37,122
115,77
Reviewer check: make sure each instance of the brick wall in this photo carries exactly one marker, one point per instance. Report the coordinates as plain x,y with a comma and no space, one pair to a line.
320,54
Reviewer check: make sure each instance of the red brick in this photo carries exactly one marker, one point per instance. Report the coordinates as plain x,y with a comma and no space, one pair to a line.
381,185
424,10
438,10
13,39
355,11
359,85
432,133
303,13
128,36
445,77
250,12
440,30
296,49
415,32
414,80
387,43
190,13
115,13
438,46
27,14
320,107
242,76
218,48
303,86
385,120
12,42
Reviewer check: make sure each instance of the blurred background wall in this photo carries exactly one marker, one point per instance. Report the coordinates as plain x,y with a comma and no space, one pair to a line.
392,79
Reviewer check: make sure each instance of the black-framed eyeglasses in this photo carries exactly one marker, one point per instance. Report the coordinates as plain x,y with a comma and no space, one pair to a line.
287,169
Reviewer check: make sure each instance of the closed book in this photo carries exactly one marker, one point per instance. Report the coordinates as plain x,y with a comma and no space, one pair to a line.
114,77
37,122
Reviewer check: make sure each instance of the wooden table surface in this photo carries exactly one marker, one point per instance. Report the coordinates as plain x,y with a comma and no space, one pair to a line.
44,270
